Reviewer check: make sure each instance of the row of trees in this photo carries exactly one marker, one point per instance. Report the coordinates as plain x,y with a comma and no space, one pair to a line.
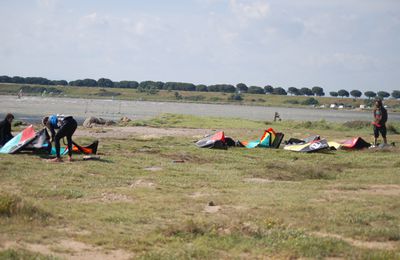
368,94
32,80
227,88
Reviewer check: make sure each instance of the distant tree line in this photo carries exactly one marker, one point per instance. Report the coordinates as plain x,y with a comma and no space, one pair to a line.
155,86
32,80
369,94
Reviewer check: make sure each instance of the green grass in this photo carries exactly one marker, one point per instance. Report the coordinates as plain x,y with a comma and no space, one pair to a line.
12,254
272,202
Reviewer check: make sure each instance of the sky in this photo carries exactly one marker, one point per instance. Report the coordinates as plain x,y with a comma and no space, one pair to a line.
334,44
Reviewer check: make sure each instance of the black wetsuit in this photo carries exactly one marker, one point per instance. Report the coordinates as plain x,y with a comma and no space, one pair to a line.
5,132
380,127
67,126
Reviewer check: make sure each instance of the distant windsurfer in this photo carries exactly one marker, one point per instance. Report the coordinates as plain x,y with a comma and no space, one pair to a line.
66,126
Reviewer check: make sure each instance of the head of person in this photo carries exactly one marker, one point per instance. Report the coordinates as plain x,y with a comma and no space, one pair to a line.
9,117
46,121
378,103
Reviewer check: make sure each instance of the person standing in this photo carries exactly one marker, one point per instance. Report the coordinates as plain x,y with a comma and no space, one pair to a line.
5,129
66,126
379,123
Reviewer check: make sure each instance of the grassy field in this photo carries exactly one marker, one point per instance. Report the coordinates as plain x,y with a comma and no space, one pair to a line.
159,197
188,96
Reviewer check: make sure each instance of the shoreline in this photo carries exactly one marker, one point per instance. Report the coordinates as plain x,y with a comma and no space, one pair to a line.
31,108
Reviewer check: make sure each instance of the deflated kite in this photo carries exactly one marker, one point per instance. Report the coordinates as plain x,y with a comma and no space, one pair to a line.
39,142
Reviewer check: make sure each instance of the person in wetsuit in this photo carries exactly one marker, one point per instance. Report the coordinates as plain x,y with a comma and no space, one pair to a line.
379,123
66,126
5,129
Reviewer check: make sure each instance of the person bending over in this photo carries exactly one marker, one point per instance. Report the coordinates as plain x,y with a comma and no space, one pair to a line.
380,118
66,126
5,129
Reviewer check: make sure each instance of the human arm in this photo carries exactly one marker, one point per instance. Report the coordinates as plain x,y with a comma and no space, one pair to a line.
2,130
52,133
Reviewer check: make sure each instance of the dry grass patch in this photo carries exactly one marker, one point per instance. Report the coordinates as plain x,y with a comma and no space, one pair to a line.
12,206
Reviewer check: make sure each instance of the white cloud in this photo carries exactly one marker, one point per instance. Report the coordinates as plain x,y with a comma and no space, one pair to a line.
344,61
91,18
250,10
50,4
229,36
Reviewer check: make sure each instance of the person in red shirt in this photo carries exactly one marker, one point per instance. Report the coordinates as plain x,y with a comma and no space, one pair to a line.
379,123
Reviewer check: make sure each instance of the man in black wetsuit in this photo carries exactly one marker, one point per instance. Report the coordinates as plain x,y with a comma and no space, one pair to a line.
5,129
66,126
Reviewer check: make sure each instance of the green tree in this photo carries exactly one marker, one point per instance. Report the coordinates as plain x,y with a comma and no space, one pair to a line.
60,82
83,83
333,94
396,94
383,94
279,91
201,88
5,79
151,84
306,92
105,83
222,88
343,93
89,83
17,79
370,94
355,93
38,81
318,91
179,86
127,84
242,88
255,90
268,89
294,91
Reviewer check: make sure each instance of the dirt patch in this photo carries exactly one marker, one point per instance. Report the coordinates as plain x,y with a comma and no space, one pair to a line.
153,169
359,243
74,232
144,132
143,184
68,249
384,190
108,197
257,180
212,209
263,180
238,207
199,194
114,197
185,157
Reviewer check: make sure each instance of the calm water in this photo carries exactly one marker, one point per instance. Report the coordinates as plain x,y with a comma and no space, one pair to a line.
32,109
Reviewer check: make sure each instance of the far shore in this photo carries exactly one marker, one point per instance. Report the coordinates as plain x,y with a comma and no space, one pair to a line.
32,108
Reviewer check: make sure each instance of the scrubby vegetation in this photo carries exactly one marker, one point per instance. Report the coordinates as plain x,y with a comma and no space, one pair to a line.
161,197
